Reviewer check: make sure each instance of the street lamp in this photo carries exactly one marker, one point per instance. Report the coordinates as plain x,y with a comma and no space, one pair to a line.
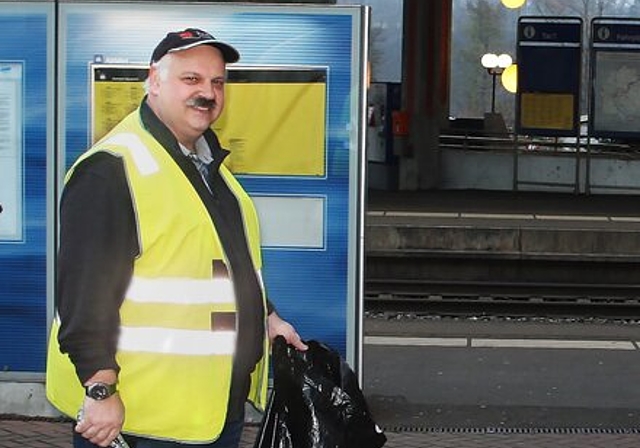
513,4
495,65
509,78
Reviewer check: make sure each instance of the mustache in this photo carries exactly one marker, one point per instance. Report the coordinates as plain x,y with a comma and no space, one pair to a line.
202,102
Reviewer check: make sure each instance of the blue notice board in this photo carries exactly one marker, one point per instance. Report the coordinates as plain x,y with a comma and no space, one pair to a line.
26,155
549,55
615,78
312,220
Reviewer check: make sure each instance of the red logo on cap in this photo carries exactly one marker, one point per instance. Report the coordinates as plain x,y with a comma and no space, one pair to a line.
186,35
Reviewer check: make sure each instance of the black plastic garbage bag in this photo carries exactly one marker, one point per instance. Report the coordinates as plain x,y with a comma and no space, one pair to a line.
316,402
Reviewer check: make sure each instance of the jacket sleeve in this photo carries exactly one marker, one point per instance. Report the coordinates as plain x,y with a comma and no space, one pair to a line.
98,245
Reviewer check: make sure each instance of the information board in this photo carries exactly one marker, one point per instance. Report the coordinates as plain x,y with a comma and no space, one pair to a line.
274,120
293,120
116,90
11,151
26,189
549,72
615,78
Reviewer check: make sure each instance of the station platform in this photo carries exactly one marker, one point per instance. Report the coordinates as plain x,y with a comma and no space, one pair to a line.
504,224
56,434
505,202
515,375
474,383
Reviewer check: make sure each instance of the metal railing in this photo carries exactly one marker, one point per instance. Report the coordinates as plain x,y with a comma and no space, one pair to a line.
581,150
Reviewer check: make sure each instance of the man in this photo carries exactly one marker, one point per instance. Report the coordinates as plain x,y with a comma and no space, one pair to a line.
160,303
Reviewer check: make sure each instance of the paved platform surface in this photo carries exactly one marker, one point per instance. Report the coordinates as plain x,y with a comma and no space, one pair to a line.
40,433
509,375
401,427
501,202
43,434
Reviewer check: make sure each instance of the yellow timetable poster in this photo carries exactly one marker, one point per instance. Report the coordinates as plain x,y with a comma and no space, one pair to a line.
547,111
274,121
116,91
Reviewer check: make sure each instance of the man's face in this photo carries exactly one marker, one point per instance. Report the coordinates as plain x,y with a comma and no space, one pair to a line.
187,93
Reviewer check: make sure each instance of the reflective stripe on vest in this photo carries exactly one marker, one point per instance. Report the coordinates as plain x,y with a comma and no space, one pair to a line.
177,342
144,161
181,291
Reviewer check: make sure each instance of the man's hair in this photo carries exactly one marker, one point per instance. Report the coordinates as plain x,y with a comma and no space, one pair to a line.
162,66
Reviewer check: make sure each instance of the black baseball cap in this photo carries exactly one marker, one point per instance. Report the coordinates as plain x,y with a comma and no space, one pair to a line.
189,38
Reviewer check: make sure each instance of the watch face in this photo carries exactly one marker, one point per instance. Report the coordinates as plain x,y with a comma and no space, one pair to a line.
100,391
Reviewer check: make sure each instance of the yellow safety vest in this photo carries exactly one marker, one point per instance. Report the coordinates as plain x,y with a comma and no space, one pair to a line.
175,366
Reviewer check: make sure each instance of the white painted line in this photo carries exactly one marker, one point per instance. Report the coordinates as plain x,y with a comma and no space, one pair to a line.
523,216
499,343
496,215
423,214
553,343
625,218
572,218
418,342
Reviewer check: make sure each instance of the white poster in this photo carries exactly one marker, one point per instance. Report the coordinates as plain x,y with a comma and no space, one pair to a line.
11,125
616,87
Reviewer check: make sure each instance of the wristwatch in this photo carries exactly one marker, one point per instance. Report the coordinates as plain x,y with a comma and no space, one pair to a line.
100,391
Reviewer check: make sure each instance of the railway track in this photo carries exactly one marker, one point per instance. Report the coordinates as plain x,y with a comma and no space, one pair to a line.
475,286
521,305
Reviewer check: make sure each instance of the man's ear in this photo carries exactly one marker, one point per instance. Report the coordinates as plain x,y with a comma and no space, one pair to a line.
154,80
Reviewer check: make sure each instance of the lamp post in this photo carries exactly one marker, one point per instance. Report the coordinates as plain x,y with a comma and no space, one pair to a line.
495,65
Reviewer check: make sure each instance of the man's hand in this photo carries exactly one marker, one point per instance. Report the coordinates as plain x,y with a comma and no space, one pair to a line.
279,327
101,420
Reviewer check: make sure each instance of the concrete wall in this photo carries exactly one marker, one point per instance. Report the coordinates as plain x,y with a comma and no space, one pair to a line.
615,175
553,172
476,170
25,397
